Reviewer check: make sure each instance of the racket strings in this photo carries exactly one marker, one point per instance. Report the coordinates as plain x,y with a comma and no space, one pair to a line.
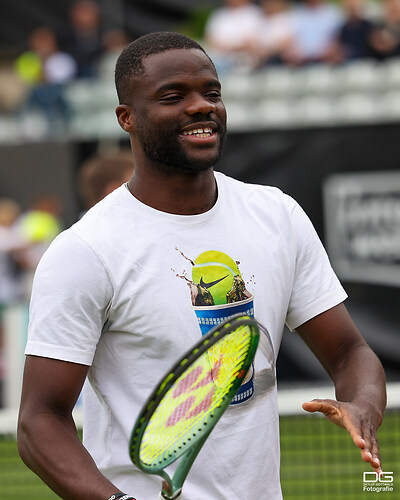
190,405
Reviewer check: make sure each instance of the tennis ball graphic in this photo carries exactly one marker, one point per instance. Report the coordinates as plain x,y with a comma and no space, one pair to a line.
215,271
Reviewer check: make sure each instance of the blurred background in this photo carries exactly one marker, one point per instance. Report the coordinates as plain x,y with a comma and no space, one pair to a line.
312,90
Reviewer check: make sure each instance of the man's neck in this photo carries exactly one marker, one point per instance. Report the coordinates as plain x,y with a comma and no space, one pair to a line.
180,194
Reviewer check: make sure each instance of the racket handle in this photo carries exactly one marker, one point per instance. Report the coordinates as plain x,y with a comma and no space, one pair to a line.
160,496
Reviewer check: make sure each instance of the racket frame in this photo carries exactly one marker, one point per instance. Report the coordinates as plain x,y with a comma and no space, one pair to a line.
172,486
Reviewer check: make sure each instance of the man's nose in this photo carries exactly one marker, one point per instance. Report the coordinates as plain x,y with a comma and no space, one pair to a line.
200,104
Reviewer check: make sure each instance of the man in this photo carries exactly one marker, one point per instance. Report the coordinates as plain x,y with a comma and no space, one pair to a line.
99,175
229,34
316,23
109,302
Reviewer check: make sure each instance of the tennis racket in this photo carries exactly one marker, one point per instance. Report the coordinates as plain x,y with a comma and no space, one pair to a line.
184,407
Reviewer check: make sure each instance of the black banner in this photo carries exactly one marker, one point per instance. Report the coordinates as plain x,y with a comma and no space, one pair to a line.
300,162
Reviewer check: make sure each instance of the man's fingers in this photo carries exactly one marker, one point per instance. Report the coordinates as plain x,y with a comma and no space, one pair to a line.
372,458
367,444
376,457
328,407
371,454
322,405
356,435
311,406
360,430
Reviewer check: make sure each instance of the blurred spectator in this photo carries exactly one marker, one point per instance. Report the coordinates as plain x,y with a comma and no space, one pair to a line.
11,242
354,37
101,174
275,33
229,35
10,287
113,42
44,62
46,70
38,226
316,25
23,239
386,35
82,39
11,283
13,91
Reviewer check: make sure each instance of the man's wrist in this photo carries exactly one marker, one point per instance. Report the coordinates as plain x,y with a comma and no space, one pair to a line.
120,496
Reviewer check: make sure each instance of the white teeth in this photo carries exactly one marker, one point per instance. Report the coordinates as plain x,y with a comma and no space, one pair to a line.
206,132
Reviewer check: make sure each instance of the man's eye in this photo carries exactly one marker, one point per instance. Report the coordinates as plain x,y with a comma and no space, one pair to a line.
214,95
170,98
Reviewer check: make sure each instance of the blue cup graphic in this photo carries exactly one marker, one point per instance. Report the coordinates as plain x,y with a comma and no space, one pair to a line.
210,316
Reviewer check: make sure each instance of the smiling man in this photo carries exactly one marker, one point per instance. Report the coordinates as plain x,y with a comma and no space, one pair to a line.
111,304
171,106
174,136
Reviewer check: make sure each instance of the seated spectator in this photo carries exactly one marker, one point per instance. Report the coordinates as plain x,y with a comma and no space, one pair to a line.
316,23
46,70
11,242
229,35
38,226
11,287
354,37
386,35
83,37
275,32
113,42
13,91
44,62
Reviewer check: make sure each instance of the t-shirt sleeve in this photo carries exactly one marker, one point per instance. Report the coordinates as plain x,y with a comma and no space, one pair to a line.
316,287
70,298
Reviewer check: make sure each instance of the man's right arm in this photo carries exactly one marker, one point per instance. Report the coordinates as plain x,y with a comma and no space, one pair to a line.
47,438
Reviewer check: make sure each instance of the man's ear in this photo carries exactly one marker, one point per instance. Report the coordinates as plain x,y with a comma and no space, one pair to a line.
125,118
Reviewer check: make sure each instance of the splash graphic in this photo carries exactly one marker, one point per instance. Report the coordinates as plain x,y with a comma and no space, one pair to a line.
217,292
216,279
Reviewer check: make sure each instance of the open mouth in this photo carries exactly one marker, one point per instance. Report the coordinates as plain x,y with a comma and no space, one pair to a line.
202,133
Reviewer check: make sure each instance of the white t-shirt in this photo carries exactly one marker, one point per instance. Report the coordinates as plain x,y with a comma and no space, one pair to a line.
111,292
59,68
315,28
274,31
231,28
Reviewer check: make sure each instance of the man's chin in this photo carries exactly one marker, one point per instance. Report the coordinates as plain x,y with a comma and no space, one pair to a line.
197,165
191,167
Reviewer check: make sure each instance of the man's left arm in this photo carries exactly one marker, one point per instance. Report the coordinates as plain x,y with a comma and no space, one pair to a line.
358,376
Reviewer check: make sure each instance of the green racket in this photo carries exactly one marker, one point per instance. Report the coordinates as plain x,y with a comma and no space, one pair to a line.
185,406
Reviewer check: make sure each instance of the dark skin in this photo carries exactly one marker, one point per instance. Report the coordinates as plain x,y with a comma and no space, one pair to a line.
358,377
182,97
179,93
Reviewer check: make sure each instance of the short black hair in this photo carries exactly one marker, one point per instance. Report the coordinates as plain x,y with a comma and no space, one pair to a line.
130,62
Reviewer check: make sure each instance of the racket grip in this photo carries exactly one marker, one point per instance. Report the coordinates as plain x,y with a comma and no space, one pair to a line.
160,496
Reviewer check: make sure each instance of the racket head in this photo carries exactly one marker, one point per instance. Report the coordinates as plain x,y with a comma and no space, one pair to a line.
188,402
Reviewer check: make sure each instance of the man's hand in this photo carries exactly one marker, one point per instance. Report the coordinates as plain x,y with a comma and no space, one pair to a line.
360,420
358,376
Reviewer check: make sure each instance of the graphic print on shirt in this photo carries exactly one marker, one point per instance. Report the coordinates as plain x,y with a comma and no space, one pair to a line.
218,291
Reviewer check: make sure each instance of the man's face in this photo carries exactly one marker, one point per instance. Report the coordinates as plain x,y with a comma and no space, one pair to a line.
180,119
